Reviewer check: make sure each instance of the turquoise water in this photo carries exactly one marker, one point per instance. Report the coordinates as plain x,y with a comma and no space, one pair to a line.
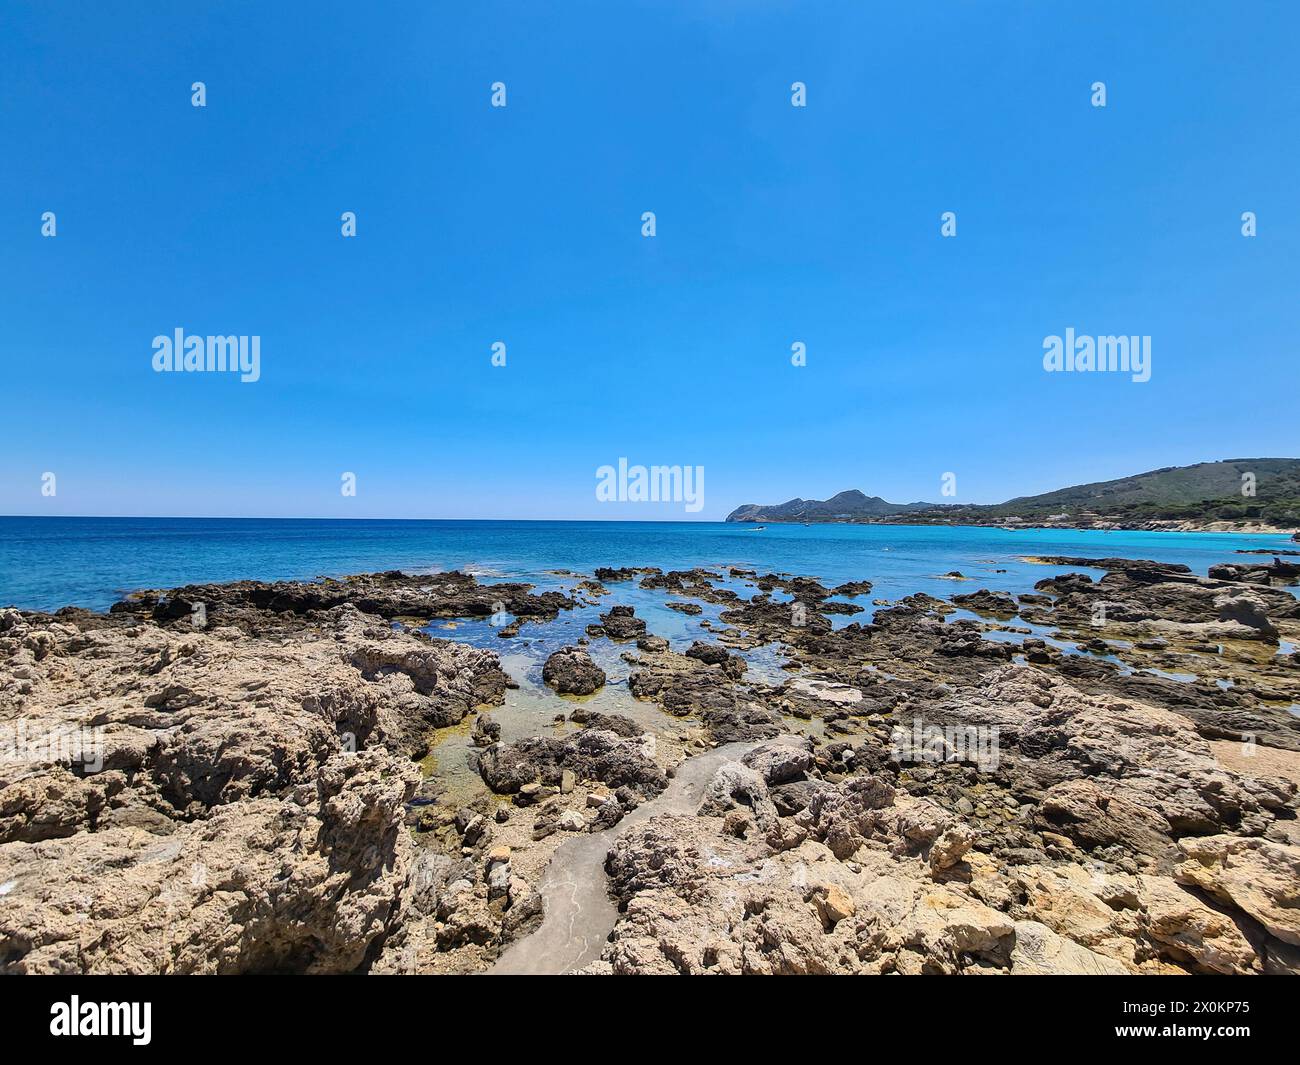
46,563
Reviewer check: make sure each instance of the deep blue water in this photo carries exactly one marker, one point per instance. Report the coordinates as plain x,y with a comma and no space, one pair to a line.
46,563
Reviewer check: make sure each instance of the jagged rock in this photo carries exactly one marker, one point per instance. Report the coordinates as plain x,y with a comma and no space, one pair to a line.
1110,771
850,588
608,814
486,730
1093,815
684,685
619,724
834,904
845,818
1045,837
1258,876
593,754
1275,573
570,671
735,784
213,895
1185,928
950,847
998,604
609,574
258,606
1039,951
1246,610
621,623
795,796
710,654
227,826
782,761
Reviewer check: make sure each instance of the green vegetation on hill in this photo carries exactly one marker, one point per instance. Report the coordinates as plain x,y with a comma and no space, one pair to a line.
1208,491
1205,492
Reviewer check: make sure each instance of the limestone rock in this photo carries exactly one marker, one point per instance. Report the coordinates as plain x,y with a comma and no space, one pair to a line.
1039,951
244,810
834,904
263,884
593,754
572,821
784,760
1186,928
1255,875
737,785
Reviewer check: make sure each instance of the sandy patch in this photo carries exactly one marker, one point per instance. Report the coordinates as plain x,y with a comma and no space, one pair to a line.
1256,760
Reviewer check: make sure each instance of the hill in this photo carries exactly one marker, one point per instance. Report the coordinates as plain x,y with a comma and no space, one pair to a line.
1201,494
847,506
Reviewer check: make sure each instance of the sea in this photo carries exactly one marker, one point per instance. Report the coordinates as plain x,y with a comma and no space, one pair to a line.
50,562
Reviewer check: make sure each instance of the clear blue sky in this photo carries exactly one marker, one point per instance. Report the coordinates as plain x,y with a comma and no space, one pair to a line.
522,224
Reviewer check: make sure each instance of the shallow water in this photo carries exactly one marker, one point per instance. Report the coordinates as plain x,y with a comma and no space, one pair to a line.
578,913
46,563
531,709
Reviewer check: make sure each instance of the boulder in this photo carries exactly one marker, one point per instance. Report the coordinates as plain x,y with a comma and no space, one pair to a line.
1186,929
1257,876
783,760
593,754
621,623
570,671
736,785
1246,610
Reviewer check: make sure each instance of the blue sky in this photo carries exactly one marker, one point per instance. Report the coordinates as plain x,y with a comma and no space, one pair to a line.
522,224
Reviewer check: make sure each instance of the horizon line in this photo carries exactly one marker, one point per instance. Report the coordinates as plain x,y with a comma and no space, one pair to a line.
310,517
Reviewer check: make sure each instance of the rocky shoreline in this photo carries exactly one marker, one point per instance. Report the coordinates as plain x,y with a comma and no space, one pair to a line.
1098,775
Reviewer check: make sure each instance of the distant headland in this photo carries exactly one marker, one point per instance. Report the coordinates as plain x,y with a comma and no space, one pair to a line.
1246,495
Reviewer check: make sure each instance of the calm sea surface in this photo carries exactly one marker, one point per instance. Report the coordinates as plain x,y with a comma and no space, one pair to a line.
46,563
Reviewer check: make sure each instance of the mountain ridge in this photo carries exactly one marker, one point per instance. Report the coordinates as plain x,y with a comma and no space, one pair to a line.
837,507
1255,492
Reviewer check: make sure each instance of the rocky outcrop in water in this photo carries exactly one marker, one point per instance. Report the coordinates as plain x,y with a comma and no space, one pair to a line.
570,671
1276,574
621,623
701,684
257,605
